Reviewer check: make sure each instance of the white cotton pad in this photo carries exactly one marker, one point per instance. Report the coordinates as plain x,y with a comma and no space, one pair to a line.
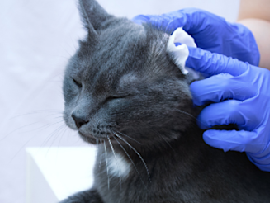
180,53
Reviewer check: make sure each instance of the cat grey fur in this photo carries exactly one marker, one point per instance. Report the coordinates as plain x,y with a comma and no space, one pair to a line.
124,93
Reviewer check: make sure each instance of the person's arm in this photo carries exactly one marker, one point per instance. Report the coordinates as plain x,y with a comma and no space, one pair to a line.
255,14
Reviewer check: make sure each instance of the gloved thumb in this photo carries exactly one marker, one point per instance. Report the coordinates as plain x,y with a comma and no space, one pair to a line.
204,61
242,141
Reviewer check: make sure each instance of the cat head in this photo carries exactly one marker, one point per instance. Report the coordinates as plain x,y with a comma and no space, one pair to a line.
122,81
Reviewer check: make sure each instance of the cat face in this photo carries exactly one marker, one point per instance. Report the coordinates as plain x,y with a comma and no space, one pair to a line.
122,80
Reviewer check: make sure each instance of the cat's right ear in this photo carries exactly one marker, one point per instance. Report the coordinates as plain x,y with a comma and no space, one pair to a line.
93,15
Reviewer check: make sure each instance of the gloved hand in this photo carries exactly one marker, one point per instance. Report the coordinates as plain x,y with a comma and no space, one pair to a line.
239,88
241,93
210,32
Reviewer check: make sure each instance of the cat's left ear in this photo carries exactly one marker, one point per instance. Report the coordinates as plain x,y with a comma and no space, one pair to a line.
93,15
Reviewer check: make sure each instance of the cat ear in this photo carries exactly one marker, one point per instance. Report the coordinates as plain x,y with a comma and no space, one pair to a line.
93,15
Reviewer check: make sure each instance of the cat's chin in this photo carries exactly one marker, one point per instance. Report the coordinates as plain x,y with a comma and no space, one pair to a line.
89,140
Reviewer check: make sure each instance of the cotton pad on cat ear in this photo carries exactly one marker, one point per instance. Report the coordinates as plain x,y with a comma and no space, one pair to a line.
180,53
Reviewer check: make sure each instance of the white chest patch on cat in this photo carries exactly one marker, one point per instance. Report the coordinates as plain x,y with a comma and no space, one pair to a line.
117,165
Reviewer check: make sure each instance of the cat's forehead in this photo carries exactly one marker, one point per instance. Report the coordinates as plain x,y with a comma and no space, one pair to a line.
121,54
115,42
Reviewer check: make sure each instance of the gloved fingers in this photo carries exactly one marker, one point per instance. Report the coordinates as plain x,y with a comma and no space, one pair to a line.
232,140
262,160
262,167
261,163
195,20
228,112
263,154
212,64
139,19
192,20
169,22
219,88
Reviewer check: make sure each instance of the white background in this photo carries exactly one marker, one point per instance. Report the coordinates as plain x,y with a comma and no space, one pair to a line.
36,39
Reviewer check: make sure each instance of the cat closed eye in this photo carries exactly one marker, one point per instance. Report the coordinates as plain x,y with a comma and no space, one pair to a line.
77,83
109,98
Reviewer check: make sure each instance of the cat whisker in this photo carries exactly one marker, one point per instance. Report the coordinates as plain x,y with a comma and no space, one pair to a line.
56,135
129,159
24,145
116,131
52,112
189,115
106,159
164,140
52,135
136,153
186,113
64,131
97,141
167,143
111,146
114,155
28,125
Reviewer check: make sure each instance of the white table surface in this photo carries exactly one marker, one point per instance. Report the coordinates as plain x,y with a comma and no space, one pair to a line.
55,173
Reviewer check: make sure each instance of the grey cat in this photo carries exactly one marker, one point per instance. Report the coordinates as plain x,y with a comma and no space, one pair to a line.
124,93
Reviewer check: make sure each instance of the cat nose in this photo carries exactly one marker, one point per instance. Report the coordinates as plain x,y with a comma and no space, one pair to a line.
79,121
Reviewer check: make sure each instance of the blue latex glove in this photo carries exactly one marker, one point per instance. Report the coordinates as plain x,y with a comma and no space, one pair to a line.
210,32
242,93
240,88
